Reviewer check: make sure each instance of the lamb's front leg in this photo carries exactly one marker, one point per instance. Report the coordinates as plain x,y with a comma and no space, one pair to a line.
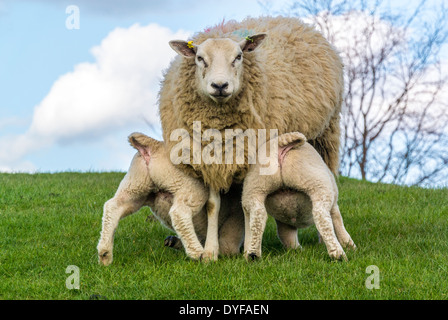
255,213
211,249
182,220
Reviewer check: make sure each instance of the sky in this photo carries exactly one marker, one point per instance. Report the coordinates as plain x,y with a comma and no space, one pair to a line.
69,97
71,94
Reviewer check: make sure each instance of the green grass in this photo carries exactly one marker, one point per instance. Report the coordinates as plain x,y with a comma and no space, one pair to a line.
51,221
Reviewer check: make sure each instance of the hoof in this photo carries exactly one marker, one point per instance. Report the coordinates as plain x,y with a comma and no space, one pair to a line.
351,245
338,255
105,257
172,242
208,256
196,256
252,257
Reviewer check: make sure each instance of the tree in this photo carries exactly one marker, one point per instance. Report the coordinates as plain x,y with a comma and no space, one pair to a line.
394,119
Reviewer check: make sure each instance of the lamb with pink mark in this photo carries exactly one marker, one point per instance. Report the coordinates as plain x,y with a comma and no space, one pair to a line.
300,193
181,202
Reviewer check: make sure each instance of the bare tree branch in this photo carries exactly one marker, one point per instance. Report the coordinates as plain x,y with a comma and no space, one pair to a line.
394,123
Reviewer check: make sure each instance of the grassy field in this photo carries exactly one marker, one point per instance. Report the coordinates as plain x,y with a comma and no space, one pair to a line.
51,221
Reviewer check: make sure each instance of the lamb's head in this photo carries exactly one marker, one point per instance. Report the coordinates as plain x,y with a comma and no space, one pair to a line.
219,64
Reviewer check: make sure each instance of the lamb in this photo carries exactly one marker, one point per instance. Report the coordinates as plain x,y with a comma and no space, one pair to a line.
177,200
261,73
303,191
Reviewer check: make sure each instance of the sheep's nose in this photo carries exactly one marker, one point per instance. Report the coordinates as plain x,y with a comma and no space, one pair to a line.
220,86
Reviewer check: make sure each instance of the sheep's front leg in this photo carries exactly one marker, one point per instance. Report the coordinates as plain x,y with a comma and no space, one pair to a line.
211,249
231,234
115,209
182,221
255,213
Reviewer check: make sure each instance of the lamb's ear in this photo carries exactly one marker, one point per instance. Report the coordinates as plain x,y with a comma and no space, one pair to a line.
144,144
184,48
293,139
251,43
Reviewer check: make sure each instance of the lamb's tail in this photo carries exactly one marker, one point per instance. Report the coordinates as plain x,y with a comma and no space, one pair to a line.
139,140
294,139
145,145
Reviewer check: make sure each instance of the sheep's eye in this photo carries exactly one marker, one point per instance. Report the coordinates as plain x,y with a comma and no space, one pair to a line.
238,57
200,59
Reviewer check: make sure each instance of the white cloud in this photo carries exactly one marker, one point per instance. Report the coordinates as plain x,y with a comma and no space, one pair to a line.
359,36
118,90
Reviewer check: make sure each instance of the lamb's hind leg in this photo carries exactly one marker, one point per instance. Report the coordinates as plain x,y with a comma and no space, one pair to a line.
115,209
322,204
255,215
344,238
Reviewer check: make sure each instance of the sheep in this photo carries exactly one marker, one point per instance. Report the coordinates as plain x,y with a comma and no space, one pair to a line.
303,191
177,200
261,73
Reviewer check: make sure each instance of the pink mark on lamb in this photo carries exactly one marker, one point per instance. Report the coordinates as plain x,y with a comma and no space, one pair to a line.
282,151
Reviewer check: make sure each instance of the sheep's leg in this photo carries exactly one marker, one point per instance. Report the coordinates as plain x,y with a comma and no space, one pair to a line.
231,234
129,198
344,238
247,234
327,144
115,209
211,248
173,242
287,235
255,213
182,221
324,224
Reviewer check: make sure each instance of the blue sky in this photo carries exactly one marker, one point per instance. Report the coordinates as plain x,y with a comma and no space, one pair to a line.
37,50
70,98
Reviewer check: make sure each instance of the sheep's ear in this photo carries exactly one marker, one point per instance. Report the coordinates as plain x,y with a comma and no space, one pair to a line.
144,144
251,43
188,50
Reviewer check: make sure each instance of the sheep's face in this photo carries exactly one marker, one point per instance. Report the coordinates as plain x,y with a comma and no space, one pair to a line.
219,64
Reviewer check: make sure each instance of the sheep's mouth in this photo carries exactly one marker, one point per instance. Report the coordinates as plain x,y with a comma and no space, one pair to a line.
221,97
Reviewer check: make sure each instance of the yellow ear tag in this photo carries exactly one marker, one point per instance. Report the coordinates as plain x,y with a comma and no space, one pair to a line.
190,44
